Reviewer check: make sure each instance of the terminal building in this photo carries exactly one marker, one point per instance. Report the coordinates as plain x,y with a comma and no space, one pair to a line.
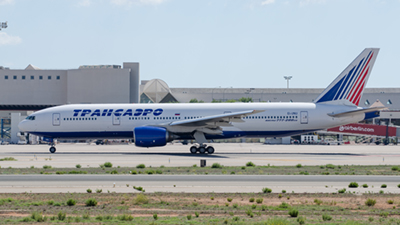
26,90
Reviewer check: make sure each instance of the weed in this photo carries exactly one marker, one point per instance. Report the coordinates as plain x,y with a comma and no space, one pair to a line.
61,216
155,216
91,202
243,168
398,185
266,190
233,172
370,202
38,217
99,190
353,185
301,220
383,186
263,207
141,166
216,166
50,202
299,165
189,217
259,200
226,204
138,188
365,185
284,191
229,199
326,217
159,172
86,216
196,214
251,200
395,168
280,196
235,205
341,191
212,198
248,164
330,166
317,201
195,203
236,218
71,202
78,166
125,217
384,214
108,164
381,192
293,213
370,219
47,167
89,190
390,201
114,172
141,199
283,205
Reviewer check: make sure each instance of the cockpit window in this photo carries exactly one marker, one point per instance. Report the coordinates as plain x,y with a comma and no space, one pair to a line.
30,118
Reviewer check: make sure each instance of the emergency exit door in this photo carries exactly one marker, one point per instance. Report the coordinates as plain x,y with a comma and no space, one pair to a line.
304,117
56,119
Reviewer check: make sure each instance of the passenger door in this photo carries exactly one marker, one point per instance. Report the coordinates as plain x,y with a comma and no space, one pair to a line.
116,119
304,117
56,119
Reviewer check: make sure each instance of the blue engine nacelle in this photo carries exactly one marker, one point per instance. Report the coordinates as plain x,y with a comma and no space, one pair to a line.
151,136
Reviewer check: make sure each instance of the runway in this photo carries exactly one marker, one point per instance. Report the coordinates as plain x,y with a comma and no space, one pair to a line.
194,183
68,155
177,155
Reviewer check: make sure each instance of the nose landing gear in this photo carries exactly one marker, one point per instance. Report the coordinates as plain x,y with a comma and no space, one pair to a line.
52,149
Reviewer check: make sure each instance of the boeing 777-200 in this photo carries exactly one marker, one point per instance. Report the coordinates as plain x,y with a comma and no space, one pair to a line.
151,125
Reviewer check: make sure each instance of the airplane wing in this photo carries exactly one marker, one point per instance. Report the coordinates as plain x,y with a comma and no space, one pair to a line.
354,112
208,124
212,120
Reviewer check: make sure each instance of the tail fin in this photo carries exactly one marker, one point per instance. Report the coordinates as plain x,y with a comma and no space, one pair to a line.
348,87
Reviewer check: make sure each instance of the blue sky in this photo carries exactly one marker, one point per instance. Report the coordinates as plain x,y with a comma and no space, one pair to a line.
200,43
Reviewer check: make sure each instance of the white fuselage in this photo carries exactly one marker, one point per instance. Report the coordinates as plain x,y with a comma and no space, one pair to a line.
91,121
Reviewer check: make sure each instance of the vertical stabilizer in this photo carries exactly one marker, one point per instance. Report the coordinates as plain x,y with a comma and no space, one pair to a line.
348,87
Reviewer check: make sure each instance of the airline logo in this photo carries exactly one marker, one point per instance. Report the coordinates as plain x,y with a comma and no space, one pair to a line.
352,84
356,128
117,112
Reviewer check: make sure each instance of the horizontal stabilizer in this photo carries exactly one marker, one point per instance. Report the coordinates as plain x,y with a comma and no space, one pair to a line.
355,112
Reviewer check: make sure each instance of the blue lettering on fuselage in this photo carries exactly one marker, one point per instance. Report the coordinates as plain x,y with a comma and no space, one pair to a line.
117,112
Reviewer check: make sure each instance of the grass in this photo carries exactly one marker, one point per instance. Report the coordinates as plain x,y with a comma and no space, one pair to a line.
8,159
242,170
173,208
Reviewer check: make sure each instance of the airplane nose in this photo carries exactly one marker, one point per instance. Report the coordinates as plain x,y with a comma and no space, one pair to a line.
23,126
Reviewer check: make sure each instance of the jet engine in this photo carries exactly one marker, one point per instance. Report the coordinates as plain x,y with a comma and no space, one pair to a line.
151,136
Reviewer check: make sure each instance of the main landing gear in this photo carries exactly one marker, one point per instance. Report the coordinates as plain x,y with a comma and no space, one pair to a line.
202,149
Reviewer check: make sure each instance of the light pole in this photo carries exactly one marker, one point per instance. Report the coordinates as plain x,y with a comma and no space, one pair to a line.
3,25
287,78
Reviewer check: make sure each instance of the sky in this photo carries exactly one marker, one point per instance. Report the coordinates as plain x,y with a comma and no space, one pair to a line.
202,43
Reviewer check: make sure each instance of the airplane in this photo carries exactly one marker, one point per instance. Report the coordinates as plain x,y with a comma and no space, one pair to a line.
154,125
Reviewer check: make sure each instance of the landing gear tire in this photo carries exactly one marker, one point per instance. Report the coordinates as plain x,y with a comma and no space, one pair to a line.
202,150
193,149
210,150
52,149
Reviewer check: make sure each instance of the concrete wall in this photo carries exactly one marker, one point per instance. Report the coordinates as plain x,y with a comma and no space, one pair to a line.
33,91
98,86
134,81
